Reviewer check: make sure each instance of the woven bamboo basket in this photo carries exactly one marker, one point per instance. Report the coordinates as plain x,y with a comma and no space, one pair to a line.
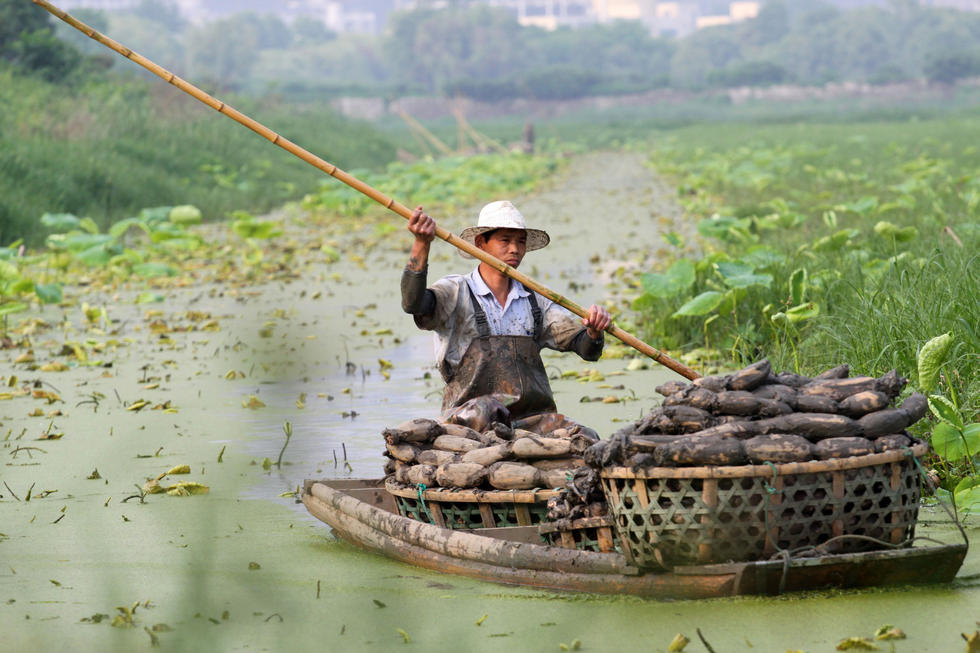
469,509
668,516
587,534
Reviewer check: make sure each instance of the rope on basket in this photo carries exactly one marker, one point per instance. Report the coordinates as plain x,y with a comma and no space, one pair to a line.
780,551
421,488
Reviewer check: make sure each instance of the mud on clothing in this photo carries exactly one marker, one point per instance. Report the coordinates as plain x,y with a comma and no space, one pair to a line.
450,308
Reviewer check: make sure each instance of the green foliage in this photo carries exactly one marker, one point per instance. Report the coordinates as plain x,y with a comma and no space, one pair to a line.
450,182
931,358
839,240
110,149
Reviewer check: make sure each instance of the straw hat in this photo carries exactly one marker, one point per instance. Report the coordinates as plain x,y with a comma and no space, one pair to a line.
503,215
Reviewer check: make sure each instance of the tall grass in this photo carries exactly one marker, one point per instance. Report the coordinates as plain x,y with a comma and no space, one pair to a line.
880,297
107,149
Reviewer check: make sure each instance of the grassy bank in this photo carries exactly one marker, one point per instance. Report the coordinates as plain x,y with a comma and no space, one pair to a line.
827,243
108,148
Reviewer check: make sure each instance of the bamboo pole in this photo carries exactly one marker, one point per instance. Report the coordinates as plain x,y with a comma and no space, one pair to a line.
360,186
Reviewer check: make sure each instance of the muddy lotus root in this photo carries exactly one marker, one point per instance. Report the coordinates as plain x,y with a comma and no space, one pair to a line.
436,457
776,418
456,444
487,456
405,453
778,448
513,476
695,450
843,448
415,431
421,475
461,475
541,447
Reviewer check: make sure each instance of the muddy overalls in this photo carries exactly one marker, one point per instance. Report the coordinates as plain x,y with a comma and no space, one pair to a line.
501,364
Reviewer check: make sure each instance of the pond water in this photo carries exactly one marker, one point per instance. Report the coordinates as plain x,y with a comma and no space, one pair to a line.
243,568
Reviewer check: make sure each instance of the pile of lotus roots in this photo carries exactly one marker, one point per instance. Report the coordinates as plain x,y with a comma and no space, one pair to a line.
754,416
478,447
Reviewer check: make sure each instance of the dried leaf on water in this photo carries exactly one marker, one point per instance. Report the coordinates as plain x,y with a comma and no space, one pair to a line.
254,565
187,488
856,644
678,643
252,402
179,469
405,638
153,486
972,641
888,632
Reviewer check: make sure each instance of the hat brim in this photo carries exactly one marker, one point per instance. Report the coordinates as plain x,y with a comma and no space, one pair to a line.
536,239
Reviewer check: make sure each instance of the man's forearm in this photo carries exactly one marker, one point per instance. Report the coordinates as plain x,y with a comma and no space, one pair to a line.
419,257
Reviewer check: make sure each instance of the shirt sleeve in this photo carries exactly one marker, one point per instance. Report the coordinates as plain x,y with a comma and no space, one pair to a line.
416,298
445,291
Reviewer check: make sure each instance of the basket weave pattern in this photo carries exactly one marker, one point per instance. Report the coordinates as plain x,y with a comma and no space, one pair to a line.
469,509
666,520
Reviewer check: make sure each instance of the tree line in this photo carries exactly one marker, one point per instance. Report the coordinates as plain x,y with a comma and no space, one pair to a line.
482,52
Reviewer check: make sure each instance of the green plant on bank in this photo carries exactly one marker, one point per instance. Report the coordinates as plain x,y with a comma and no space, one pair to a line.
827,244
955,439
165,230
15,286
450,182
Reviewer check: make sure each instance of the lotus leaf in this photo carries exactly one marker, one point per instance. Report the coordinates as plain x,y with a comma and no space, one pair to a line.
12,307
797,285
154,215
121,227
761,257
802,312
701,305
60,221
954,444
931,358
896,233
95,256
946,411
836,241
678,278
155,270
737,274
185,214
48,293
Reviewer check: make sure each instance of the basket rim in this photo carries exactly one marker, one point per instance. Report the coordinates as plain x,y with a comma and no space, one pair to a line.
768,470
546,527
475,496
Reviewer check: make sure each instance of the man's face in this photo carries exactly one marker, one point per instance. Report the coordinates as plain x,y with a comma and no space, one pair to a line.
509,245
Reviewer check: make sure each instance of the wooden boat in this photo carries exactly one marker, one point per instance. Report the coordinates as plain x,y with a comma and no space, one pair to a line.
364,514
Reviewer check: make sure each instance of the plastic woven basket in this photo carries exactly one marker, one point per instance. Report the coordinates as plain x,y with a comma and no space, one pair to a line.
470,508
667,516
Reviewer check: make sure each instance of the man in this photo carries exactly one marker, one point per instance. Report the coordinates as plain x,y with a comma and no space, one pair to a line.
489,328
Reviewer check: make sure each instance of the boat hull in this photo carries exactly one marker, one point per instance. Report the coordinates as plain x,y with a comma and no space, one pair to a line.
360,512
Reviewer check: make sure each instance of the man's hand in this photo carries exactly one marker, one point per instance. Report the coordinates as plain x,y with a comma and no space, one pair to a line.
597,321
424,229
422,226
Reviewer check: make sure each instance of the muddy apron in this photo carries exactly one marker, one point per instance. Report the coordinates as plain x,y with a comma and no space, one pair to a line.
501,364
